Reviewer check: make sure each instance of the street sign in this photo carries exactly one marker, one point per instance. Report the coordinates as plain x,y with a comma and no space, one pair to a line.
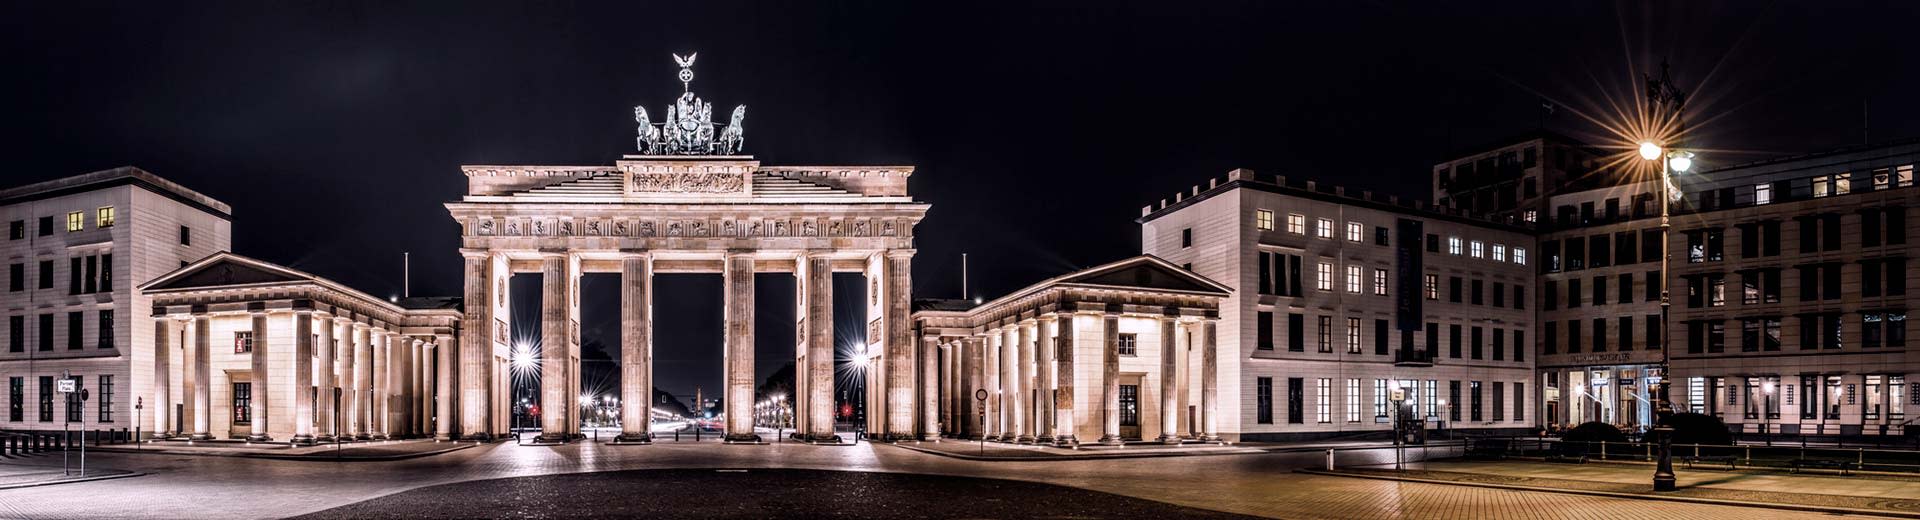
1399,394
67,386
980,395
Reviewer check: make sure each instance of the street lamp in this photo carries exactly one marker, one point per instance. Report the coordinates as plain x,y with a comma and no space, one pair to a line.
1674,161
1766,411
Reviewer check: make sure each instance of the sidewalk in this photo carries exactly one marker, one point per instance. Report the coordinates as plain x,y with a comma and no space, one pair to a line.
1001,451
352,451
35,471
1877,495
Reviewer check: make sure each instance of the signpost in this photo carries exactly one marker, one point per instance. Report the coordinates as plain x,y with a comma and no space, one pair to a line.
981,396
137,404
70,387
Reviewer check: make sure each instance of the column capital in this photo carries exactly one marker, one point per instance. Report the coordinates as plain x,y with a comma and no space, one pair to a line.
741,252
1048,317
475,254
548,253
900,253
634,252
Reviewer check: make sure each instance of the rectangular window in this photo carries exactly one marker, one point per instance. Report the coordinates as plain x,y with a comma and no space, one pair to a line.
16,334
1453,245
1353,279
46,398
105,399
1430,399
1296,223
1475,403
1380,235
1353,335
106,272
1263,220
16,399
1353,400
1573,336
186,236
46,332
1326,333
1549,337
1573,293
1499,344
75,407
46,275
1433,243
1129,344
17,230
103,217
1499,294
1379,282
1453,340
46,228
1599,290
1519,345
1296,400
1323,400
74,275
1324,276
1129,405
1520,255
1499,401
1478,249
1625,334
76,330
1478,291
16,277
1323,228
1903,177
1263,335
1433,286
1296,332
1263,404
1478,348
1186,237
1499,253
1453,400
76,221
1455,289
1519,401
105,325
1380,338
1356,232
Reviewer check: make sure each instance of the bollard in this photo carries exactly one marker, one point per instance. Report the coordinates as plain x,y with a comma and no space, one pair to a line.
1603,450
1749,450
1860,459
1329,459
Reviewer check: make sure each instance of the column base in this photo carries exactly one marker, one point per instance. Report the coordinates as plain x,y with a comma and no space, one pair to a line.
476,437
1112,440
741,438
362,437
200,437
930,436
1169,439
1043,439
161,436
1065,441
1208,438
380,437
443,436
819,438
303,440
633,438
259,438
553,438
1023,439
323,439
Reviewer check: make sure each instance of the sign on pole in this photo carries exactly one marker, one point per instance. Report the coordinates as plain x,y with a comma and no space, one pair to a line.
67,386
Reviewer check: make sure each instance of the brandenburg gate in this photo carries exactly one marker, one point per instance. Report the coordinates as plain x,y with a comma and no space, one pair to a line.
689,202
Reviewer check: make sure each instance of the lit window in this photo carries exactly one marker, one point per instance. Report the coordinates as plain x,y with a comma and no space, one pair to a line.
1323,228
1379,282
1453,245
1820,186
1324,282
1323,402
1296,223
1762,194
76,221
1842,184
1263,220
1354,230
1530,216
1903,176
1520,255
103,217
1433,287
1353,279
1479,249
1881,180
1499,253
1353,335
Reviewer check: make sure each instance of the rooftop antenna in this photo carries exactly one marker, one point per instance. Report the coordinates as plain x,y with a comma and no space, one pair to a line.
963,277
406,274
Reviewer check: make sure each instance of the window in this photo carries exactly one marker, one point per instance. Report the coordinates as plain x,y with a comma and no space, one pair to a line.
1499,344
46,333
76,221
1433,243
1479,249
1653,331
1433,287
186,236
1716,290
1550,337
105,399
1903,176
76,329
1326,333
1353,279
1519,296
16,334
16,230
1323,228
1625,336
1379,282
1430,399
1380,237
1380,395
1519,401
243,342
1129,344
76,407
1520,255
1762,194
1499,253
1479,349
1356,232
1263,392
16,397
1264,333
1296,223
1453,399
243,403
1323,400
1478,285
103,217
1599,290
1296,332
46,398
1380,337
17,277
1263,220
1186,237
1353,400
1573,293
1453,245
46,228
1324,280
1353,335
46,274
1129,405
1499,401
1573,336
1295,400
1519,345
1453,341
105,324
1475,403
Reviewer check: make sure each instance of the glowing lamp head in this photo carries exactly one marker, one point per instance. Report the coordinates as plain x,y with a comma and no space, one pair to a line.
1650,151
1680,161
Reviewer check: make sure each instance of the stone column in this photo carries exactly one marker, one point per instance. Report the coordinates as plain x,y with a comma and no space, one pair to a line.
972,378
901,350
1015,396
349,381
636,348
819,313
554,336
1044,381
443,352
929,385
362,381
202,378
989,369
1063,393
257,407
1023,367
476,344
739,340
162,377
303,377
395,374
949,423
1209,379
382,362
417,386
323,380
1169,380
1110,379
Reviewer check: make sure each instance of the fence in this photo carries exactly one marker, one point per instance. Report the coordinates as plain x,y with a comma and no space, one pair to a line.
1742,455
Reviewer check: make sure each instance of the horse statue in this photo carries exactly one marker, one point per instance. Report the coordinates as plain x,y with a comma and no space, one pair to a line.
735,134
649,138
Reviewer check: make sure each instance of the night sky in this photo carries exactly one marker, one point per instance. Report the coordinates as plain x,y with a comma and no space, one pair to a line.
336,130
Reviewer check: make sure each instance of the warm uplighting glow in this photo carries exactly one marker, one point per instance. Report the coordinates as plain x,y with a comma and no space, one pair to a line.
1649,151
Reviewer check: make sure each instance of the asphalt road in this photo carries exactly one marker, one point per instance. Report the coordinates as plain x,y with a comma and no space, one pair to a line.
756,493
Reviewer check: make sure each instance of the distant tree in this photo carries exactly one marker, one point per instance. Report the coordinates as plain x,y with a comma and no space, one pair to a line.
1594,432
1694,428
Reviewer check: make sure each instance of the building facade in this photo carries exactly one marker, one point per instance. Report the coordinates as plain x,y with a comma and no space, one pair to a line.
75,251
1599,306
1513,179
1340,302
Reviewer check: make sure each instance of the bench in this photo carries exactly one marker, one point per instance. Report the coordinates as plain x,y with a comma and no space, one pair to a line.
1843,465
1729,460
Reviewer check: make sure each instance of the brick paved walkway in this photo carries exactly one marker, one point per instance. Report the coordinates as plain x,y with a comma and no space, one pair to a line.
1895,495
1258,484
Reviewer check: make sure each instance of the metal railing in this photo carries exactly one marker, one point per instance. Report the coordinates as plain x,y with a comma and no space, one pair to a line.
1738,455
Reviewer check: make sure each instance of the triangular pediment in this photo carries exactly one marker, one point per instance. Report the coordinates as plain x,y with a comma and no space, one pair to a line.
1146,272
225,269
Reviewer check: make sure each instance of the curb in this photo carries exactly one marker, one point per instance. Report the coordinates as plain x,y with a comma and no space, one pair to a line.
1610,494
316,457
1102,456
71,480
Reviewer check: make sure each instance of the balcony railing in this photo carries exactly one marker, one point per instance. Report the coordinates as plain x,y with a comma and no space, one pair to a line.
1413,358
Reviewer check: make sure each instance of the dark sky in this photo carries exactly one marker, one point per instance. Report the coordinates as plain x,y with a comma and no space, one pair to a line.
336,129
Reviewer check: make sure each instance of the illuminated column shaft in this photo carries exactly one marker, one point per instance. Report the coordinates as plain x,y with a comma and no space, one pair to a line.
257,406
990,374
349,382
901,348
303,377
363,381
972,378
323,380
820,349
475,347
1063,394
636,347
443,352
739,351
1110,379
1209,381
381,362
1169,380
553,348
929,385
162,377
1044,379
202,377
